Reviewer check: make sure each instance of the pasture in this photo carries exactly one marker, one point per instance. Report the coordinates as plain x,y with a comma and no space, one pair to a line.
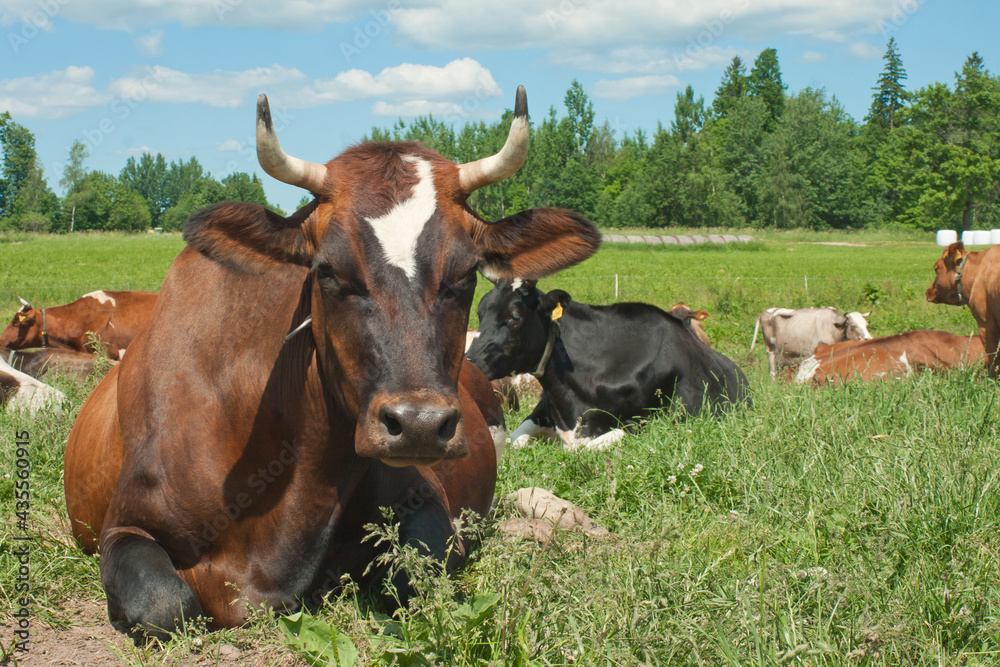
843,526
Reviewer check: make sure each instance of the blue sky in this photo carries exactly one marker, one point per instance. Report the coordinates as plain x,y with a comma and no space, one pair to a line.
181,78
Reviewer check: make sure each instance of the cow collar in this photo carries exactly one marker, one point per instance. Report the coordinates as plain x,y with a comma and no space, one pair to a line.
45,330
958,280
551,342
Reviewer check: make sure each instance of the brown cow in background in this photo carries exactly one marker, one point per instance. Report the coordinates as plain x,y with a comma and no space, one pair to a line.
693,318
115,317
972,278
889,356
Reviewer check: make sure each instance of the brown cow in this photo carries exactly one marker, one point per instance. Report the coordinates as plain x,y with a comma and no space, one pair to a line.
223,463
39,362
693,318
116,318
889,356
972,278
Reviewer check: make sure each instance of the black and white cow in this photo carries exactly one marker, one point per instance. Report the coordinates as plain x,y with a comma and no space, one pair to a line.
600,367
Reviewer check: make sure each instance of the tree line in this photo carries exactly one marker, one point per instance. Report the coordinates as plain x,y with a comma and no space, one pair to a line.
756,156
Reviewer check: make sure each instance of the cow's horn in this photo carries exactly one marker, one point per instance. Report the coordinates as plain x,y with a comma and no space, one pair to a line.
279,164
25,306
495,168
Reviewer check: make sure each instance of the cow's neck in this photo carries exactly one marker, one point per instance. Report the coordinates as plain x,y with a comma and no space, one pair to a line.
965,279
555,358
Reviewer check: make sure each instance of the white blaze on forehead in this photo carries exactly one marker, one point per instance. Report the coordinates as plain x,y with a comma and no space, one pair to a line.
858,320
516,284
398,230
101,296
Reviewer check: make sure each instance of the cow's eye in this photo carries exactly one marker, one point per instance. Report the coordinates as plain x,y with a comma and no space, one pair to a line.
331,281
452,289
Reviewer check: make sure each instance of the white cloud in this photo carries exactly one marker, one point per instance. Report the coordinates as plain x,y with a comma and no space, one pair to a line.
812,57
831,36
638,86
135,151
132,15
216,89
680,24
290,88
150,45
647,60
460,24
460,83
52,95
864,50
418,108
458,79
229,146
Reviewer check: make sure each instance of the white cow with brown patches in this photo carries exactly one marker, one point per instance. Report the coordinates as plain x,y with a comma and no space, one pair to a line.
792,335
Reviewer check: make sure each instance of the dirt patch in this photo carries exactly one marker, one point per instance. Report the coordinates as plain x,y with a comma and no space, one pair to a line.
87,641
91,640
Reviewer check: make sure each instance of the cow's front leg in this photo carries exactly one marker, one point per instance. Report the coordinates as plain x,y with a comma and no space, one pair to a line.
429,529
599,443
538,424
146,597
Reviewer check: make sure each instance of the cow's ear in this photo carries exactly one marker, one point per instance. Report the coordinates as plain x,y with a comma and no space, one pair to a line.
534,244
956,251
841,324
552,304
700,315
250,237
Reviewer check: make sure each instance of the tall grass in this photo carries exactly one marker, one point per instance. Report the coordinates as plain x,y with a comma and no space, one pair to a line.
844,526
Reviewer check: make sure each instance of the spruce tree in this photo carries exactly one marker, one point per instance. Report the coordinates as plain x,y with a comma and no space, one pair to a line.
890,95
765,84
733,87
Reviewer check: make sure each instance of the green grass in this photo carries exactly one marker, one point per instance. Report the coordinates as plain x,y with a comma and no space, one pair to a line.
843,526
49,270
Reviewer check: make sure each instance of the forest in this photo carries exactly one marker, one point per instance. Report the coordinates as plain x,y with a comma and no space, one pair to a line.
756,156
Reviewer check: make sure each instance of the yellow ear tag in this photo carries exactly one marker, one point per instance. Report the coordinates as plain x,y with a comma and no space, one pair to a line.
557,312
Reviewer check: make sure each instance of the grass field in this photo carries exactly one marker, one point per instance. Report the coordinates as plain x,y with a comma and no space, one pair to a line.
844,526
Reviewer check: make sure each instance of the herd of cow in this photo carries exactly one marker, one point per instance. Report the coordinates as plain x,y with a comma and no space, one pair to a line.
294,375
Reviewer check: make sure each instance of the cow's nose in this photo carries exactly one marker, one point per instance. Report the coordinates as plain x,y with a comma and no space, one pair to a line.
415,424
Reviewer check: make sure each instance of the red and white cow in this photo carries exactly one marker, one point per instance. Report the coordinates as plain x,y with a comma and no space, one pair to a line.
115,317
889,356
